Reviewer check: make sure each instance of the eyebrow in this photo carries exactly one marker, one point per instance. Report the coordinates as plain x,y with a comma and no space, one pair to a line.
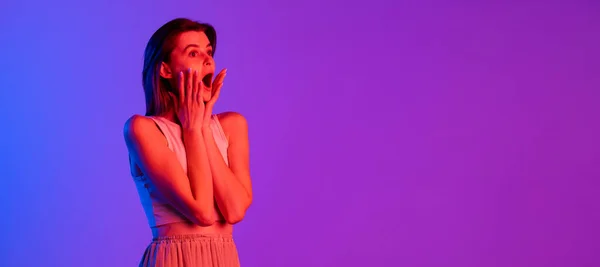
195,45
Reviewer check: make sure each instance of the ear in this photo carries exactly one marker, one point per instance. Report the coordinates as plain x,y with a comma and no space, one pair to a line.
165,71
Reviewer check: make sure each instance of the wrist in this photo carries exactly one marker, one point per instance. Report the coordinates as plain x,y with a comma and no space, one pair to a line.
191,132
206,130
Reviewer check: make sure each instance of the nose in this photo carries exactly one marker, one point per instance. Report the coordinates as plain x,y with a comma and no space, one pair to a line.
208,61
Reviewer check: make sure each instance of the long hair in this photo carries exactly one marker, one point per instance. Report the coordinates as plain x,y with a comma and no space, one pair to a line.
158,50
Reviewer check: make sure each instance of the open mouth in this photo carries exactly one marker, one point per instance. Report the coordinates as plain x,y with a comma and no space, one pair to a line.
207,80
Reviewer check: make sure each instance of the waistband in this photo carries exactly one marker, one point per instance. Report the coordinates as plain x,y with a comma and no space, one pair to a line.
195,237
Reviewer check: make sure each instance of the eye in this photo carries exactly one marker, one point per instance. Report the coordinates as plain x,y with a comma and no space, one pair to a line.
210,53
193,54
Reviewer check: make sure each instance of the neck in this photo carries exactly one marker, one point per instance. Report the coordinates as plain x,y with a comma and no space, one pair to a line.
170,115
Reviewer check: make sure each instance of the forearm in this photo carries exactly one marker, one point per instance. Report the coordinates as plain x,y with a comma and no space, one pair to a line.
231,196
199,174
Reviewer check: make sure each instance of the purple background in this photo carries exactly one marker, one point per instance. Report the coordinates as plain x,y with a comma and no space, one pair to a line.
383,133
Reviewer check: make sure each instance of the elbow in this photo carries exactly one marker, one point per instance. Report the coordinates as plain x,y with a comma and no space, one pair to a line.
204,219
205,222
234,217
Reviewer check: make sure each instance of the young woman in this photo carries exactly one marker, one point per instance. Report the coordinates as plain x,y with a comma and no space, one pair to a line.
191,167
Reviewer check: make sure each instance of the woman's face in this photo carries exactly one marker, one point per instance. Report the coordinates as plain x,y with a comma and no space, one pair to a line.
192,50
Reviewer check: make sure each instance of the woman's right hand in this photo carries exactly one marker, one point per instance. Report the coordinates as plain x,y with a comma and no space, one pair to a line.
189,105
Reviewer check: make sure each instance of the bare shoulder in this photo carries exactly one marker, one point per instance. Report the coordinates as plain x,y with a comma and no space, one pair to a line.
137,126
233,122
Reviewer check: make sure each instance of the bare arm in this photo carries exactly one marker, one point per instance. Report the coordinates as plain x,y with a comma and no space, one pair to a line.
200,177
232,184
193,195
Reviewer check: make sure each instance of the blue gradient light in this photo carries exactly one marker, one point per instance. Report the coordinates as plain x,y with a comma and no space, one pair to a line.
383,133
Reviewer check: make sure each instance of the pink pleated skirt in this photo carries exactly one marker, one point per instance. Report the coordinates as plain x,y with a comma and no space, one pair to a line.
194,250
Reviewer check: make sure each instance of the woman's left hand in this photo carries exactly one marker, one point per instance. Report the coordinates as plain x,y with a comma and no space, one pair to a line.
216,90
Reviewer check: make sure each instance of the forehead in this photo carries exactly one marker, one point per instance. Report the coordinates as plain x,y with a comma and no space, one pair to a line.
192,37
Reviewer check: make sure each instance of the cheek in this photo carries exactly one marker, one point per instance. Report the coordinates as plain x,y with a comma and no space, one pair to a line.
186,65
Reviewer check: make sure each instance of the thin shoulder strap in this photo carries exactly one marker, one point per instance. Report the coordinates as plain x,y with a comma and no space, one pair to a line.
220,137
165,130
220,130
172,133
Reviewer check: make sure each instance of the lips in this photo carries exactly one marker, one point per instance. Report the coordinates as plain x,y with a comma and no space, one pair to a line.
207,80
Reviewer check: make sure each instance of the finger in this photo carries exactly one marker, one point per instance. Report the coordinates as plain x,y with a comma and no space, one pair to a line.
215,96
188,85
201,89
218,81
181,87
219,78
195,87
209,105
